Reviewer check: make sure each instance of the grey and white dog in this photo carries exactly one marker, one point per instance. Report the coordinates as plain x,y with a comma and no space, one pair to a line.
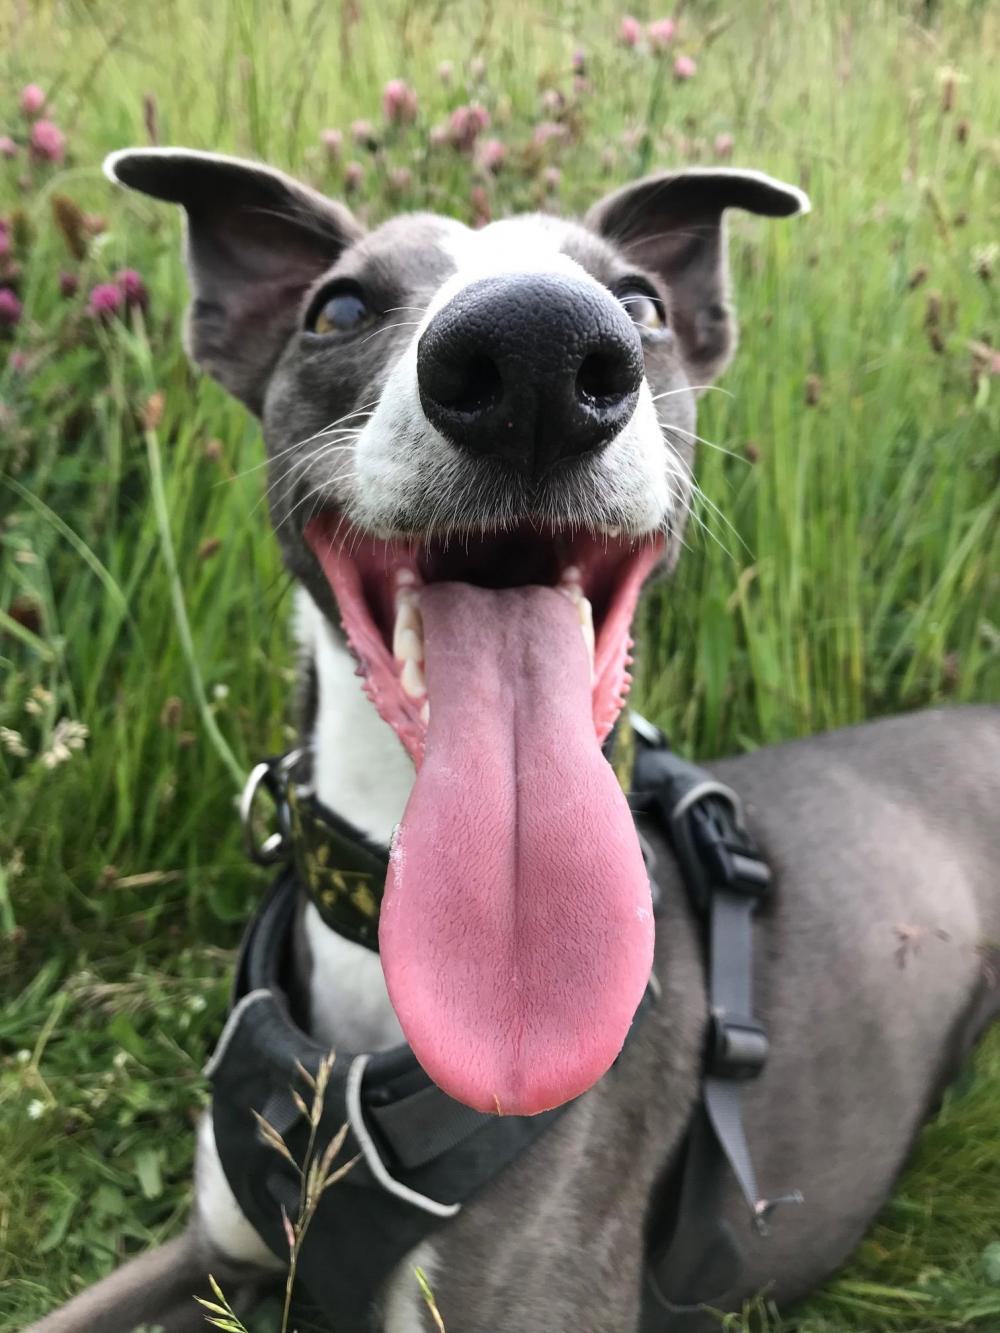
480,448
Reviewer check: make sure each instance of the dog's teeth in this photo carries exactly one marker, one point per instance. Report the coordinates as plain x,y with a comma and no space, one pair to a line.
407,578
586,614
407,645
425,713
608,530
407,597
407,631
412,679
570,575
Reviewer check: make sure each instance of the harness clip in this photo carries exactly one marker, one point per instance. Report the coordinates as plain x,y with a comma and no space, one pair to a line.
727,852
737,1047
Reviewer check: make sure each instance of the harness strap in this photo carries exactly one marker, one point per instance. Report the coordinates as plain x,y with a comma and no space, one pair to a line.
424,1153
695,1257
424,1125
739,1046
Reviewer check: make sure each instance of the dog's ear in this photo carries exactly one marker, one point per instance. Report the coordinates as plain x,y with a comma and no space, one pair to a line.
671,224
256,240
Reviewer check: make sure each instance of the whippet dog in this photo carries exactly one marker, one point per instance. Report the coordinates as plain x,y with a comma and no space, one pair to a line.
480,449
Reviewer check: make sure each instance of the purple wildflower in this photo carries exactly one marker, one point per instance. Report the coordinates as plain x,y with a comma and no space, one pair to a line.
363,134
69,283
630,31
466,124
546,131
106,300
32,100
10,308
661,33
333,142
132,288
48,143
8,148
490,154
354,174
684,68
399,102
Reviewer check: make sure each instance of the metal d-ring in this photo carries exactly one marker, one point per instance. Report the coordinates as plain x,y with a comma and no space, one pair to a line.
272,775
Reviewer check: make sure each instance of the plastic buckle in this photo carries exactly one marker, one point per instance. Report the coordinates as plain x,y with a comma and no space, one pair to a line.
730,858
737,1047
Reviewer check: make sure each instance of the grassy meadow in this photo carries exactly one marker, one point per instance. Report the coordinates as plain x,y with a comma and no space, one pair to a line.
845,562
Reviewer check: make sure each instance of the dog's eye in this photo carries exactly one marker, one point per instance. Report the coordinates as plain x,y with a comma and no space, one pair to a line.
339,310
645,309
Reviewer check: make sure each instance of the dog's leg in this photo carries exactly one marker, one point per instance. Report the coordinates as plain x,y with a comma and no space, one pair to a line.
157,1290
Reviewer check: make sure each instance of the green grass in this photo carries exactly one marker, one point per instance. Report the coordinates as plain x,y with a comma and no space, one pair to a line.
855,572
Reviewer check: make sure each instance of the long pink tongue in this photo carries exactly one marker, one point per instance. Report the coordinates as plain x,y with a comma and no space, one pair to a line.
516,931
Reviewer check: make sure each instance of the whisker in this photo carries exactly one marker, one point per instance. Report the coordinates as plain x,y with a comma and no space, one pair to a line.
328,443
403,324
709,444
358,411
693,388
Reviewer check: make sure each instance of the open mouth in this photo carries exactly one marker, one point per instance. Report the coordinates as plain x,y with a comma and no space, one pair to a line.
516,931
379,583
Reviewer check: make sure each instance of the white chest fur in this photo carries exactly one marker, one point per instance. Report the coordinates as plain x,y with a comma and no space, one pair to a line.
361,771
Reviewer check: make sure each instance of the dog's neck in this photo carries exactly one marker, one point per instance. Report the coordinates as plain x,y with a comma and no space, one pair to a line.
360,769
361,772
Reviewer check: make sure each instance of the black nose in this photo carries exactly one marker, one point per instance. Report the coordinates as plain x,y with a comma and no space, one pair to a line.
531,368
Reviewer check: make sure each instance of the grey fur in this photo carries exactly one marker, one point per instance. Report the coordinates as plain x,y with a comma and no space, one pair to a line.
874,974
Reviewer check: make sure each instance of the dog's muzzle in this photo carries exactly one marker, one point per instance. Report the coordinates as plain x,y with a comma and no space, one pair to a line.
531,368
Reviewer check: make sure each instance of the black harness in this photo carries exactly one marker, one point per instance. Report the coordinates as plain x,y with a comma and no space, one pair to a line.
420,1154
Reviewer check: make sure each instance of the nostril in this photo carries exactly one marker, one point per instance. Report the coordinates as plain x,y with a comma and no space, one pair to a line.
602,377
472,386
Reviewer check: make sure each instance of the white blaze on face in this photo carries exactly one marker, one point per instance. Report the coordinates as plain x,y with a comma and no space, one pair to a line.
398,443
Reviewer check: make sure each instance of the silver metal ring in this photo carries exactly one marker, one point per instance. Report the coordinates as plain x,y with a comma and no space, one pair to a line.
274,848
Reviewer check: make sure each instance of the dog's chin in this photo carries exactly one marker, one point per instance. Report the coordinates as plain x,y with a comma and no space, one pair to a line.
516,932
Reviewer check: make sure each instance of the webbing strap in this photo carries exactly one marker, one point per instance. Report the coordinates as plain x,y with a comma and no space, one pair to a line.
424,1125
694,1256
730,982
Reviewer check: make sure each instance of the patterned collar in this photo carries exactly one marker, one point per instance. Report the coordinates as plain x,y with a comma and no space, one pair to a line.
341,869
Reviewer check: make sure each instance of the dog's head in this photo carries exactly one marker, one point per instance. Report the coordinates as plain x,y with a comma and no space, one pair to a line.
480,447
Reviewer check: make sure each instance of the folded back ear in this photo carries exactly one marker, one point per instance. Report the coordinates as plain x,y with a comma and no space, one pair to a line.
671,224
256,240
